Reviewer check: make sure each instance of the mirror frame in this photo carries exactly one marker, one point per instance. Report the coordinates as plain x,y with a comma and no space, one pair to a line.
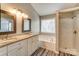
14,21
23,25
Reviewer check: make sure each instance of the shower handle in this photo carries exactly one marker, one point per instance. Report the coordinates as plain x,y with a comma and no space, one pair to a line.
75,32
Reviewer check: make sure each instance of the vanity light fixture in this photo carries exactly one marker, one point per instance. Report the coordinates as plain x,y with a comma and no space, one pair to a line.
18,12
13,11
24,15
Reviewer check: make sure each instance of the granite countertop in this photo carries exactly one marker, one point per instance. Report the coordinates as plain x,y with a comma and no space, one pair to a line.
14,39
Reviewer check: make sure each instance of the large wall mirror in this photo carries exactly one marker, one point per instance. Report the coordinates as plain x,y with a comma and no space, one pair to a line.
26,25
7,22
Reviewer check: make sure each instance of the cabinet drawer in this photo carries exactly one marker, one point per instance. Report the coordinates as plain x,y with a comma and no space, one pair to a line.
12,53
14,46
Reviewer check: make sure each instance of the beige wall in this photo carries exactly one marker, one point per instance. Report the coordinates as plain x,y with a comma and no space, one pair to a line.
28,9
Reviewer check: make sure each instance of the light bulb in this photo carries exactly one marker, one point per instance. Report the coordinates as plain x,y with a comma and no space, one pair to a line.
24,15
13,11
18,13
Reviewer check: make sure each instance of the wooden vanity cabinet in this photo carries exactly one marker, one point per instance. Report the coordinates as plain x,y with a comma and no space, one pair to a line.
32,45
21,48
18,48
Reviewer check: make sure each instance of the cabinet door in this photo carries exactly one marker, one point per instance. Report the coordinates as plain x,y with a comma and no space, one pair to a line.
24,49
66,32
3,51
29,46
15,52
20,51
34,43
14,49
18,48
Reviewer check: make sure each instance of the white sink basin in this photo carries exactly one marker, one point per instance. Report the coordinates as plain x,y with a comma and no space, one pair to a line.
2,41
7,40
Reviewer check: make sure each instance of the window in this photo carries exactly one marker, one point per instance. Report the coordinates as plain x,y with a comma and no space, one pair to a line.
26,25
48,25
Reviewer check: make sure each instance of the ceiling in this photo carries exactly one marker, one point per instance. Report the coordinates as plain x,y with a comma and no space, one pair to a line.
50,8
